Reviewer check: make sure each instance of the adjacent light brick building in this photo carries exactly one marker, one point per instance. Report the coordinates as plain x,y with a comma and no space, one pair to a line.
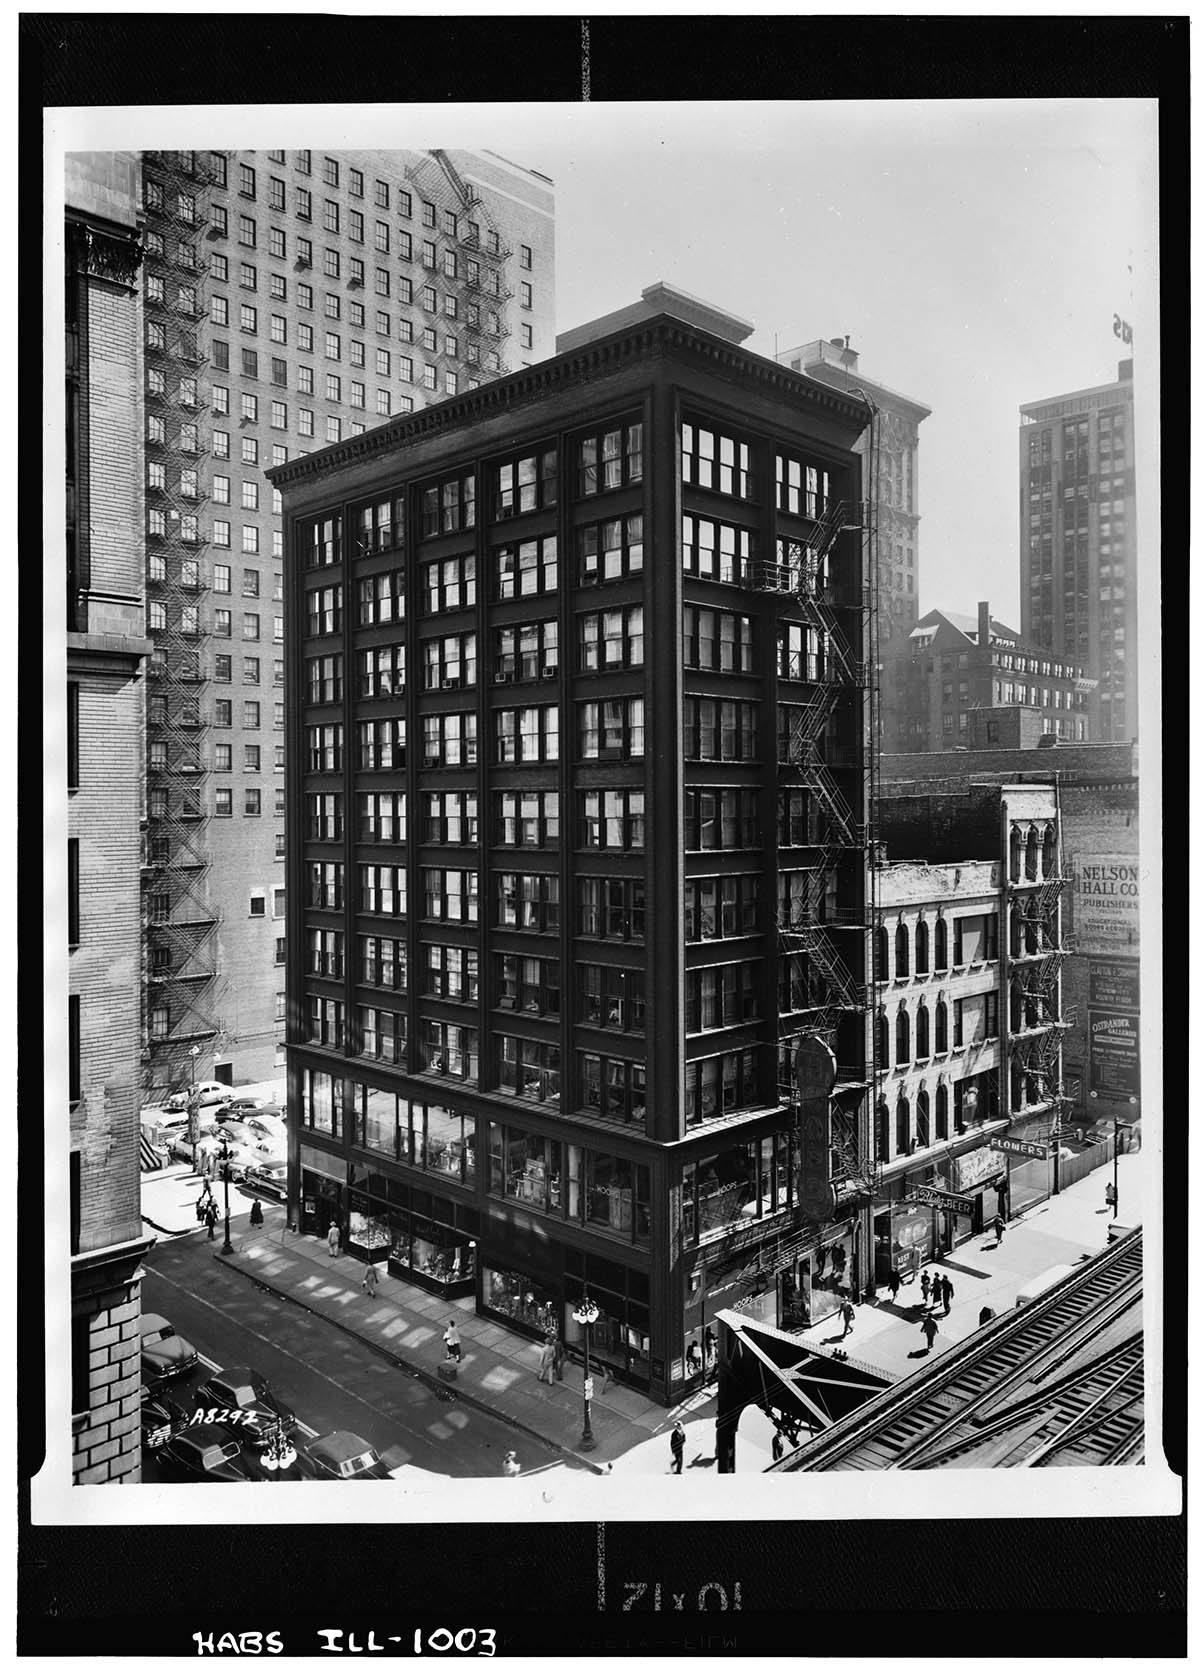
106,646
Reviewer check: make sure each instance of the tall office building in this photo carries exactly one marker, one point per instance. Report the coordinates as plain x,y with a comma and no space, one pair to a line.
292,299
1079,542
106,648
578,835
894,495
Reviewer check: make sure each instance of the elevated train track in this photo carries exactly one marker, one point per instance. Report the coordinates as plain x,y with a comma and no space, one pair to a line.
1059,1382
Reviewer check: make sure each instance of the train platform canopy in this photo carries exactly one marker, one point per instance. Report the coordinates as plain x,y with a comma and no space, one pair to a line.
1057,1383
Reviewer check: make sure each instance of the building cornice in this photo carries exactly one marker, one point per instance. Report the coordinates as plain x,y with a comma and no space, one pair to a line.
652,339
104,250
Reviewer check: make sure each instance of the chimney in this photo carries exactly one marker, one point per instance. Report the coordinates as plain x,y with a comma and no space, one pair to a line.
984,636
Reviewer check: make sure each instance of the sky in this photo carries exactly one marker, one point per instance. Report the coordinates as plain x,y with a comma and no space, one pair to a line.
974,254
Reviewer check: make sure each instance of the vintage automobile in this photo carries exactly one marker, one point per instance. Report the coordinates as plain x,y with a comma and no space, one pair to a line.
164,1353
344,1456
203,1452
243,1399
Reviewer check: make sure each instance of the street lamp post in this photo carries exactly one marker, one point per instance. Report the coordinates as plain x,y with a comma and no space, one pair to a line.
1119,1126
227,1245
585,1314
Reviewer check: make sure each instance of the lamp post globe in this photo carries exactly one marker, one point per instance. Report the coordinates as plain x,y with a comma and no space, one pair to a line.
585,1315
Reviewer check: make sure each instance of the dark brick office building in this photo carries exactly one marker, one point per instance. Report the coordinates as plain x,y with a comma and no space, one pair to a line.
578,854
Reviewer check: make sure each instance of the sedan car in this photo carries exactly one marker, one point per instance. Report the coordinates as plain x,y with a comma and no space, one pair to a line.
270,1177
205,1451
244,1399
205,1091
164,1354
161,1417
239,1107
345,1456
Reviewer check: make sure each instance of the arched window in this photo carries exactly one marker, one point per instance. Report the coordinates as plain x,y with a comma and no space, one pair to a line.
882,1058
903,1045
1049,843
922,1119
941,1031
1031,856
941,1111
922,947
940,961
903,1126
901,949
922,1030
883,1131
881,954
1014,853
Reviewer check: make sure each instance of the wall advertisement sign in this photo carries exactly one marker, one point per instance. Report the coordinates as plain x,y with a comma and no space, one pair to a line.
1113,1053
1106,904
1113,984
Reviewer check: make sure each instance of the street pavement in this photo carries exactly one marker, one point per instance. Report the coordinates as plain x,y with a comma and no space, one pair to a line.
498,1372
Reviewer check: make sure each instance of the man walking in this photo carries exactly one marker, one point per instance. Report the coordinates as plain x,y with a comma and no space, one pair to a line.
925,1287
998,1228
335,1239
847,1311
893,1283
929,1330
546,1361
1110,1197
937,1289
947,1294
677,1449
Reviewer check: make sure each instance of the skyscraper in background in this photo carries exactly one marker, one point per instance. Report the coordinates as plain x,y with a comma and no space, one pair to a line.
894,495
1079,542
291,299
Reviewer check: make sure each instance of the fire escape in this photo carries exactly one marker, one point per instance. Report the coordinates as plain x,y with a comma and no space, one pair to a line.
179,927
481,283
824,632
1037,1020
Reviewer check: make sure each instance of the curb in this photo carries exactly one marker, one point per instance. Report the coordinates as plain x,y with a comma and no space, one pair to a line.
429,1378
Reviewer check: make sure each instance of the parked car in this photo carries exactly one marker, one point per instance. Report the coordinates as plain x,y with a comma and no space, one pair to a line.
240,1390
270,1177
164,1353
267,1128
238,1107
208,1451
207,1091
345,1456
161,1416
240,1155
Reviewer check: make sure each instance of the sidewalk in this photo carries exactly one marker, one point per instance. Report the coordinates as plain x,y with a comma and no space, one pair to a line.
498,1370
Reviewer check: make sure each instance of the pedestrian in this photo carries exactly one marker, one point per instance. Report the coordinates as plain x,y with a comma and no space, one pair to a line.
510,1466
847,1311
947,1294
694,1364
1002,1198
453,1344
710,1350
370,1281
998,1228
893,1283
210,1217
925,1287
776,1446
677,1449
560,1355
256,1212
1110,1197
335,1239
937,1289
546,1361
929,1330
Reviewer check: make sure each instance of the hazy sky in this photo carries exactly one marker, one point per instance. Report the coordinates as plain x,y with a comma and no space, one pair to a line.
974,254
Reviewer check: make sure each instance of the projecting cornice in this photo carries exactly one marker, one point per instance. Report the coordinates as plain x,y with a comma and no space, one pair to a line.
104,251
654,338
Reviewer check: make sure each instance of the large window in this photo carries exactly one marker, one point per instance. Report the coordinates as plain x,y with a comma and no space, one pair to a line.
381,599
383,962
527,568
612,908
381,744
717,640
324,748
526,484
722,996
382,816
380,527
612,998
324,951
448,506
382,1034
528,1068
322,612
526,734
801,489
447,664
612,459
323,817
448,584
450,896
717,908
609,550
717,551
451,972
379,671
716,1086
526,818
383,890
527,901
529,651
450,816
719,462
719,730
613,818
528,984
613,729
610,639
612,1087
720,818
447,1048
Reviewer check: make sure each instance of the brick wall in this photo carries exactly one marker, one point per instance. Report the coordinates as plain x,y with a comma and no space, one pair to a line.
115,462
107,1444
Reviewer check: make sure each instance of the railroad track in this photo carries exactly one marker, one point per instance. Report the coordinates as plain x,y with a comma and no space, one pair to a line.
953,1407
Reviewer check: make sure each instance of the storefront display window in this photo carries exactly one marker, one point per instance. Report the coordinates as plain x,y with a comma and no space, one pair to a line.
427,1249
367,1227
611,1193
521,1298
321,1101
726,1188
620,1337
375,1119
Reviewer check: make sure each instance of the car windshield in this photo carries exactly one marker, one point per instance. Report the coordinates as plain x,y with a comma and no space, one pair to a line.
356,1465
160,1332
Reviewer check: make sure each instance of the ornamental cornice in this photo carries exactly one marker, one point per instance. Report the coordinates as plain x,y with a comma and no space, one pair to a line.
99,253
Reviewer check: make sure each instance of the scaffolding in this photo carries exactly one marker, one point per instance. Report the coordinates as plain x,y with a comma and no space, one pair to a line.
825,630
179,925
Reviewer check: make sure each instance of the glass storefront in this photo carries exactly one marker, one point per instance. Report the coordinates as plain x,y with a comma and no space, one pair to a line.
620,1337
423,1238
435,1254
816,1283
520,1298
